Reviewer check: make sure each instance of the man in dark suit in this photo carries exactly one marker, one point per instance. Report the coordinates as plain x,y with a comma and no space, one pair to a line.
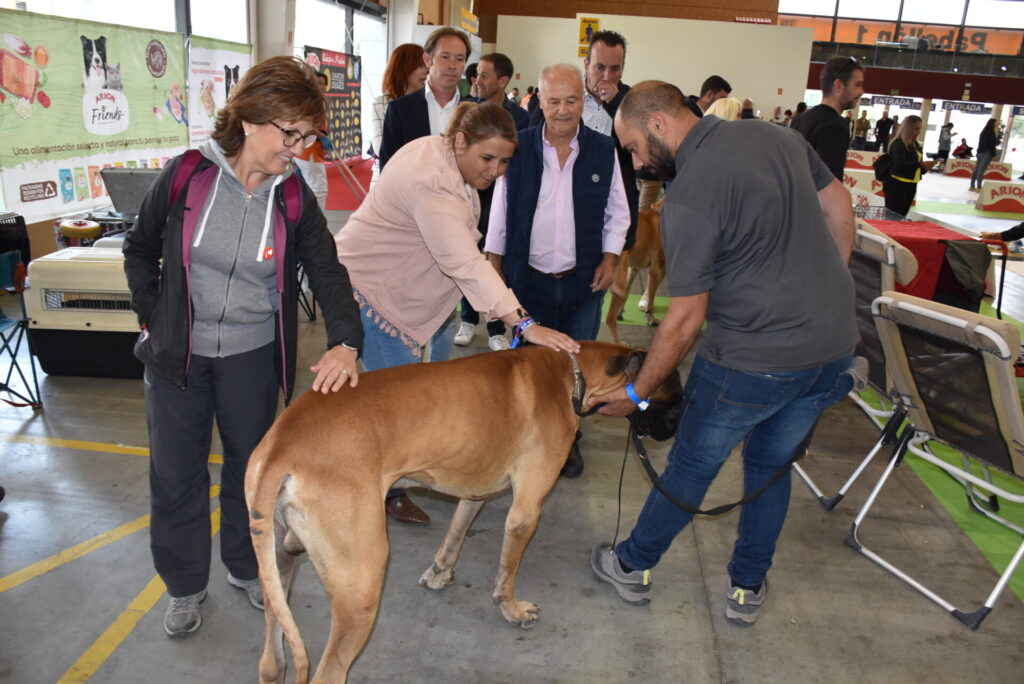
494,71
424,112
427,111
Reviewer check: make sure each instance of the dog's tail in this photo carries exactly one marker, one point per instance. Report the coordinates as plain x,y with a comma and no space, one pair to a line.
264,479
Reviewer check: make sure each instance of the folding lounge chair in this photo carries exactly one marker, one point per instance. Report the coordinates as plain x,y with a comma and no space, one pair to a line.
14,383
877,263
952,371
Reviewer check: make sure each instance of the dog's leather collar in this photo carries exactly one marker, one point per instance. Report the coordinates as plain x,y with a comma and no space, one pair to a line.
579,389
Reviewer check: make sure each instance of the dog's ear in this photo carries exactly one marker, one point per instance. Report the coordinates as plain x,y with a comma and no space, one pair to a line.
614,365
634,361
630,365
85,42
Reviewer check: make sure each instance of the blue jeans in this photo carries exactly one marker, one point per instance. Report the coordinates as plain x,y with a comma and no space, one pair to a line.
381,350
559,303
978,177
771,413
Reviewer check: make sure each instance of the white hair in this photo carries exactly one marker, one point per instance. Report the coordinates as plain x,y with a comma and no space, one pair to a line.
727,108
562,68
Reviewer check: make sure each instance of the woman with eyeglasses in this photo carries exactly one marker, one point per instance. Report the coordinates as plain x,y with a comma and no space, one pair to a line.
211,264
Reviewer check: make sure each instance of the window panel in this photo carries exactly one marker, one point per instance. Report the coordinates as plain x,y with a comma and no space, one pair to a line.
823,8
153,14
224,19
869,9
996,13
931,12
319,24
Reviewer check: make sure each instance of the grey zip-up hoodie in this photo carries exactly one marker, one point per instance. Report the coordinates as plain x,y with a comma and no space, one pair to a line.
233,277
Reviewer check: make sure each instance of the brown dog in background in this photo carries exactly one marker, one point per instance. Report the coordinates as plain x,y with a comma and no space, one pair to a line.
317,481
647,253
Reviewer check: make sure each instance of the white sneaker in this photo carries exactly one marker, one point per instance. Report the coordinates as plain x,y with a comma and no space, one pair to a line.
465,333
498,342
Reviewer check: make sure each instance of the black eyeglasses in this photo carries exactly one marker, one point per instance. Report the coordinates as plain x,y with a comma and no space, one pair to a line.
292,136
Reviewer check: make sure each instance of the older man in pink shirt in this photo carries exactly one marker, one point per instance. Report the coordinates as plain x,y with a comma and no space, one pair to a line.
559,217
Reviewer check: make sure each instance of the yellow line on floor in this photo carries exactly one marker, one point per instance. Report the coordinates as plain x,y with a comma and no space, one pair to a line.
78,550
104,447
92,660
68,555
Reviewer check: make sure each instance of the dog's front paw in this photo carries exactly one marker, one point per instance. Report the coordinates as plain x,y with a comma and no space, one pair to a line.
437,579
643,305
522,613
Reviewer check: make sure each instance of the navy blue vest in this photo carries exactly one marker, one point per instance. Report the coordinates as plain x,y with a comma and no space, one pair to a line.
591,181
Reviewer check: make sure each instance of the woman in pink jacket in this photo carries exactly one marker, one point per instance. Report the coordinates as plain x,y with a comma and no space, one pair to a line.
411,250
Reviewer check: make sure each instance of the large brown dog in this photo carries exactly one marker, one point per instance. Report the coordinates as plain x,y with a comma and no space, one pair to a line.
647,253
318,479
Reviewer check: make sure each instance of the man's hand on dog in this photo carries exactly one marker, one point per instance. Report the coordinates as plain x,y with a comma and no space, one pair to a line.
616,403
336,367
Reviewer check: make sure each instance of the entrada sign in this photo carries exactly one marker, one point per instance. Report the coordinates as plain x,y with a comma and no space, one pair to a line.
969,107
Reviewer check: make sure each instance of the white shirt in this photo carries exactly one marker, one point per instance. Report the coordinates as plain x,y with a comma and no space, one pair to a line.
439,116
553,238
595,116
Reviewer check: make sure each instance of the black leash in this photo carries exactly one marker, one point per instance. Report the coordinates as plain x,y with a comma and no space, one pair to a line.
580,389
641,453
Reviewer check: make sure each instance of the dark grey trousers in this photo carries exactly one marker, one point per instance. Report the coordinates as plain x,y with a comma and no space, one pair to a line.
241,392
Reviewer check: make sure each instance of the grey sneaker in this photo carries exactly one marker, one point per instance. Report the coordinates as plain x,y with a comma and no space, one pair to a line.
741,605
251,587
182,617
632,587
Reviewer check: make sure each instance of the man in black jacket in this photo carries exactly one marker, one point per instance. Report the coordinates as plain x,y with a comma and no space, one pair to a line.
713,88
842,84
427,111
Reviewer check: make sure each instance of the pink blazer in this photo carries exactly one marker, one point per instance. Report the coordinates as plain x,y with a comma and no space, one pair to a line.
411,248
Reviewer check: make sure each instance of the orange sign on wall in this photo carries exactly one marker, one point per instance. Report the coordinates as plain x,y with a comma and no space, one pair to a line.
985,41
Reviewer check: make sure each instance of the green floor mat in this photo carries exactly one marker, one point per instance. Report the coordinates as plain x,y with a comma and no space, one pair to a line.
995,542
926,207
632,315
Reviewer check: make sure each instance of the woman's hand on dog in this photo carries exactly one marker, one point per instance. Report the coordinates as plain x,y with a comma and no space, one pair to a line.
335,368
546,337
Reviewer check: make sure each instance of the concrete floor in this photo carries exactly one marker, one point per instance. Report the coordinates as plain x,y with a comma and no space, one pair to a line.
832,616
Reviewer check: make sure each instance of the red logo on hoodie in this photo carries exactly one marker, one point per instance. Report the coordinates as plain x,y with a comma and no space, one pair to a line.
268,253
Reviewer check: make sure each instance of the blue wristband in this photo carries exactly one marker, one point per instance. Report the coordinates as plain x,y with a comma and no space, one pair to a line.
519,331
642,404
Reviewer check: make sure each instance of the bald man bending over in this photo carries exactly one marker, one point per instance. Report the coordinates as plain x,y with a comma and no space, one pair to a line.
757,233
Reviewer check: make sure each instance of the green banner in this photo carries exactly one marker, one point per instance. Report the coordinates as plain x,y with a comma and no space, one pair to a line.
77,96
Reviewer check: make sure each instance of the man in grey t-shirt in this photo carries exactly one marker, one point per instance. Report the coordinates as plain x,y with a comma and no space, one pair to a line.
757,233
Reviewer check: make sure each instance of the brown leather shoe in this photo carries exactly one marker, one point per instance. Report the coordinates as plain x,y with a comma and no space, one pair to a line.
402,509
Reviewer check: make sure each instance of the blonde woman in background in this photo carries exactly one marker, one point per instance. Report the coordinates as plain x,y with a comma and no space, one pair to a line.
727,108
405,73
907,166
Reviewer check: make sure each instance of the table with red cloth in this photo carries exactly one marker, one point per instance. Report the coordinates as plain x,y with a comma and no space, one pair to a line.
928,243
